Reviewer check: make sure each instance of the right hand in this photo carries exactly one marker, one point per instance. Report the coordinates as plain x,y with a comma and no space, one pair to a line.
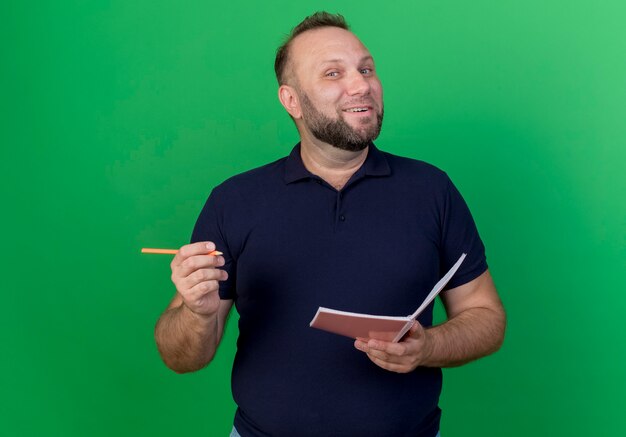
196,276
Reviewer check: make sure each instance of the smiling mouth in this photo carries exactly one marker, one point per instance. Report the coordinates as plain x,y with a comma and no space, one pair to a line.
358,109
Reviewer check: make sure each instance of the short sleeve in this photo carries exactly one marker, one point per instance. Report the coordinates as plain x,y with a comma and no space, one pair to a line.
209,227
460,235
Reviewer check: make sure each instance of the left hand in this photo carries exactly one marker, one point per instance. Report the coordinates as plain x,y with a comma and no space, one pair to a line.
402,357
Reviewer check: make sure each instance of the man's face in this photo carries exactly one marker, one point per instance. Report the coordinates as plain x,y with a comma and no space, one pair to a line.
340,94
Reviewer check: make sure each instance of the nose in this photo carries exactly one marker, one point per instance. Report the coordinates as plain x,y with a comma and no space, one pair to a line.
358,84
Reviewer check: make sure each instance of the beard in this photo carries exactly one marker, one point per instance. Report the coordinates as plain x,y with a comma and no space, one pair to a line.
337,132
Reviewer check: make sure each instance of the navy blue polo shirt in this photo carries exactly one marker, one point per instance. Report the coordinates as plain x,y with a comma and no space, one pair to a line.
293,243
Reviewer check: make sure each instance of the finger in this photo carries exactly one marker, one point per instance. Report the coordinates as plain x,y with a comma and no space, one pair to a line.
202,289
387,347
367,344
361,344
199,248
393,367
389,358
197,262
203,275
416,330
377,353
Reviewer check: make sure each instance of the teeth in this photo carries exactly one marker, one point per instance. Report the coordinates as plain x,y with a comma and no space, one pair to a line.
356,110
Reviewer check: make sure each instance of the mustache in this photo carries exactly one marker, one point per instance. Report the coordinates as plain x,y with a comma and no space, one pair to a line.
360,102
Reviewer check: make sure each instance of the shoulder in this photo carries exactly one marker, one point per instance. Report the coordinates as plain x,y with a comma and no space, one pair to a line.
414,171
233,204
253,181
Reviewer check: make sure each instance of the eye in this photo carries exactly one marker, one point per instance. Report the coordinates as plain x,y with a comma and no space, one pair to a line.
332,74
366,70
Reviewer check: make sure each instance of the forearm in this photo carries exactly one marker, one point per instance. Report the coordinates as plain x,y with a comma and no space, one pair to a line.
470,335
186,341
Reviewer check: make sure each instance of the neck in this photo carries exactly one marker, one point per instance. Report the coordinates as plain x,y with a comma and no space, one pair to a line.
334,165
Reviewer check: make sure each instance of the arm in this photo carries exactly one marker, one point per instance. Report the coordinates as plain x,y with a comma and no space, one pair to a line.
475,328
188,332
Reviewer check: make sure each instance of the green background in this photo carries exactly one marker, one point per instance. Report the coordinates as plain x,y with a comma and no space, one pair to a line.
118,117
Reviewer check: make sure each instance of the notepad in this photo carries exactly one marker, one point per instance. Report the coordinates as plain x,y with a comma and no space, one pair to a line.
357,325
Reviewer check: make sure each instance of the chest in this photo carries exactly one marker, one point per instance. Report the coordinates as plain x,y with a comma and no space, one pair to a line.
349,250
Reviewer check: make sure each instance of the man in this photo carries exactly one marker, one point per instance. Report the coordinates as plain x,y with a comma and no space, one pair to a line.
340,224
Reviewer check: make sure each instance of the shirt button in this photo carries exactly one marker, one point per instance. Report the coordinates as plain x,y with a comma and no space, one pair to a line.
342,218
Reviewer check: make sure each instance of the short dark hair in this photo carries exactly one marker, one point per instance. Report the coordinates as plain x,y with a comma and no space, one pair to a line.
317,20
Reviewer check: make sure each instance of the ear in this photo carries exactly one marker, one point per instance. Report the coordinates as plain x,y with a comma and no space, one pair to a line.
289,99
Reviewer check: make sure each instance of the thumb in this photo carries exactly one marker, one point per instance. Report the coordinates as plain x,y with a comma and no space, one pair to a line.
416,330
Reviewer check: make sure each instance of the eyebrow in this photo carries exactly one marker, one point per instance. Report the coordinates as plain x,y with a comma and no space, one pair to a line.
340,61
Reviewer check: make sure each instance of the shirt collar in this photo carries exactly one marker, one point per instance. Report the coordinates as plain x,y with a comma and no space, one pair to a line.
375,165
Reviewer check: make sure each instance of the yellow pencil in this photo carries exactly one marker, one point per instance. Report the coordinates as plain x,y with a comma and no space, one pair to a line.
173,251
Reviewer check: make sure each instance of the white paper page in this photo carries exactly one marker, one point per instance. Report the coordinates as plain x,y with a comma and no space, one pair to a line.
438,287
